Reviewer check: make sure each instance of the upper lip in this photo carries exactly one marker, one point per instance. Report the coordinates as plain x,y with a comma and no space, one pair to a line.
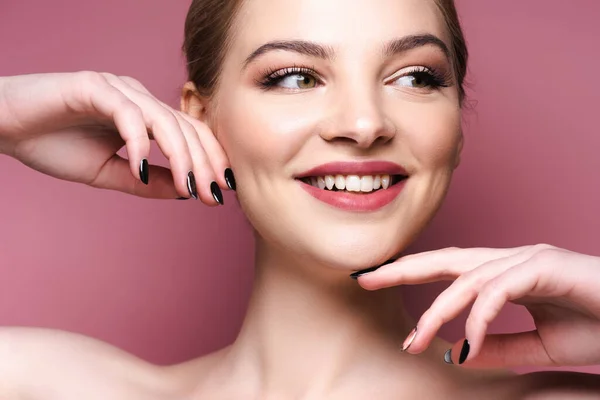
355,168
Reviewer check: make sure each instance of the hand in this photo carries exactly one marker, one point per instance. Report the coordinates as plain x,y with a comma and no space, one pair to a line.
71,125
560,288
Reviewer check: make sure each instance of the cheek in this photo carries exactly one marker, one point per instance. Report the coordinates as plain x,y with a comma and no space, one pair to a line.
264,136
434,137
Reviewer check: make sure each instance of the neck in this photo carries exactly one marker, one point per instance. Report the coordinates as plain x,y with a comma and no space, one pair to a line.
308,326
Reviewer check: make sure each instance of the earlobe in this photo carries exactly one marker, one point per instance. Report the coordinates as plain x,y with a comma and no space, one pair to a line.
192,103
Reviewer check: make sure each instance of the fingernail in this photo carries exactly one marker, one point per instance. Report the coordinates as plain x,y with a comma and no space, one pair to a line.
362,272
409,339
144,172
182,198
448,357
230,178
464,352
191,184
216,192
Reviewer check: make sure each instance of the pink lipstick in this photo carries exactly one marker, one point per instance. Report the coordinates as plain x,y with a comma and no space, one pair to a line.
355,186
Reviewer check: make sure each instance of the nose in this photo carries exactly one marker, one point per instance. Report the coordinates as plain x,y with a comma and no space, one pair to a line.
360,119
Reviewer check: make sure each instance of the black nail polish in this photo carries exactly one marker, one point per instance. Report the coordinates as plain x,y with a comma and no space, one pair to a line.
144,172
464,352
362,272
191,184
230,178
216,192
448,357
182,198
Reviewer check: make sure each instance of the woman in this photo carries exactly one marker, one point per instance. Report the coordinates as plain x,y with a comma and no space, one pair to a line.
343,143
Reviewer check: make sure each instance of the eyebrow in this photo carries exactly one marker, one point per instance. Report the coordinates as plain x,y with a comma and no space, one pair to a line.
311,49
401,45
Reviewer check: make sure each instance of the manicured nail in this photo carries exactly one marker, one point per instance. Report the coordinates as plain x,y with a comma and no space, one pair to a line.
144,172
230,178
448,357
191,184
464,352
216,192
409,339
362,272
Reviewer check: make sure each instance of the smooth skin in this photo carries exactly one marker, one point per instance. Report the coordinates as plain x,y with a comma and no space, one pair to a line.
310,332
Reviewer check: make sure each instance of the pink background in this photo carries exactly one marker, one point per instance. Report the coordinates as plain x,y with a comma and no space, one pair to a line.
168,280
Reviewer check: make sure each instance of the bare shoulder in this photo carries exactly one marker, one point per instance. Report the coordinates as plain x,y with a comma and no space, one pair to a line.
51,364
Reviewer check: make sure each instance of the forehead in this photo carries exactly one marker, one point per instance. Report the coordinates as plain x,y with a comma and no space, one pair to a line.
342,24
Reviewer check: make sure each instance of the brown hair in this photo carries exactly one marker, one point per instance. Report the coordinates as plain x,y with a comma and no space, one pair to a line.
208,33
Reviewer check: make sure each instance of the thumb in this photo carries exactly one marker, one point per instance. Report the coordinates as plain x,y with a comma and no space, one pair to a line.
502,350
116,175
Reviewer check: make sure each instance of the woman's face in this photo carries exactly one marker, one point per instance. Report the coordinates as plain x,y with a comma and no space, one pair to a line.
362,89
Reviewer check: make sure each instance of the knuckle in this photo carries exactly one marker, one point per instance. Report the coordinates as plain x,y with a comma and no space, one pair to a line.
129,108
541,253
472,280
166,119
79,95
492,291
108,76
131,81
542,248
90,77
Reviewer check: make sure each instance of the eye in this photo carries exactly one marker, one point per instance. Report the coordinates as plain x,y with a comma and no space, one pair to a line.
295,78
298,81
420,78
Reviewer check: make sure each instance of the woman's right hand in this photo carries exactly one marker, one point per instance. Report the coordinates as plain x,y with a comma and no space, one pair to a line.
71,125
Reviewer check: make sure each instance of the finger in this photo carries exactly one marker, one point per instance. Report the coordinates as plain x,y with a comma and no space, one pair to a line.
212,148
137,85
203,170
504,350
514,283
433,266
167,134
104,99
458,296
115,175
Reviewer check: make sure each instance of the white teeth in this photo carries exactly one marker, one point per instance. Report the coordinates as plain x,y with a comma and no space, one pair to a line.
353,183
377,182
321,182
366,184
385,181
329,182
340,182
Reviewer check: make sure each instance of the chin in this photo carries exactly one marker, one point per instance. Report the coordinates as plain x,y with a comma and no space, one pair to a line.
350,249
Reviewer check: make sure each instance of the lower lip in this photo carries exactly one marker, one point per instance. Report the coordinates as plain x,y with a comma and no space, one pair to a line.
348,201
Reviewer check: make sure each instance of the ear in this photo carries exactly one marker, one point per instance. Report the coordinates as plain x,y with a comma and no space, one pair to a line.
193,103
459,150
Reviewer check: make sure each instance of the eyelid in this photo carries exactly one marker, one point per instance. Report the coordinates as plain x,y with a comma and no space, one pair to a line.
270,78
407,71
295,69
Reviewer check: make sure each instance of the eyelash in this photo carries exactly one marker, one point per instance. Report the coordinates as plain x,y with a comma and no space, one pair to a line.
272,77
432,77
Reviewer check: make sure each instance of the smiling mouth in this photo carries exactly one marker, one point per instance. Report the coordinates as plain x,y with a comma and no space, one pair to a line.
355,184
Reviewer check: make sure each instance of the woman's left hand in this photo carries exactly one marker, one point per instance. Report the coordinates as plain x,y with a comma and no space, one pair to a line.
560,288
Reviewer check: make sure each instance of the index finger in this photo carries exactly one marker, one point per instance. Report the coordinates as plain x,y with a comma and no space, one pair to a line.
433,266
